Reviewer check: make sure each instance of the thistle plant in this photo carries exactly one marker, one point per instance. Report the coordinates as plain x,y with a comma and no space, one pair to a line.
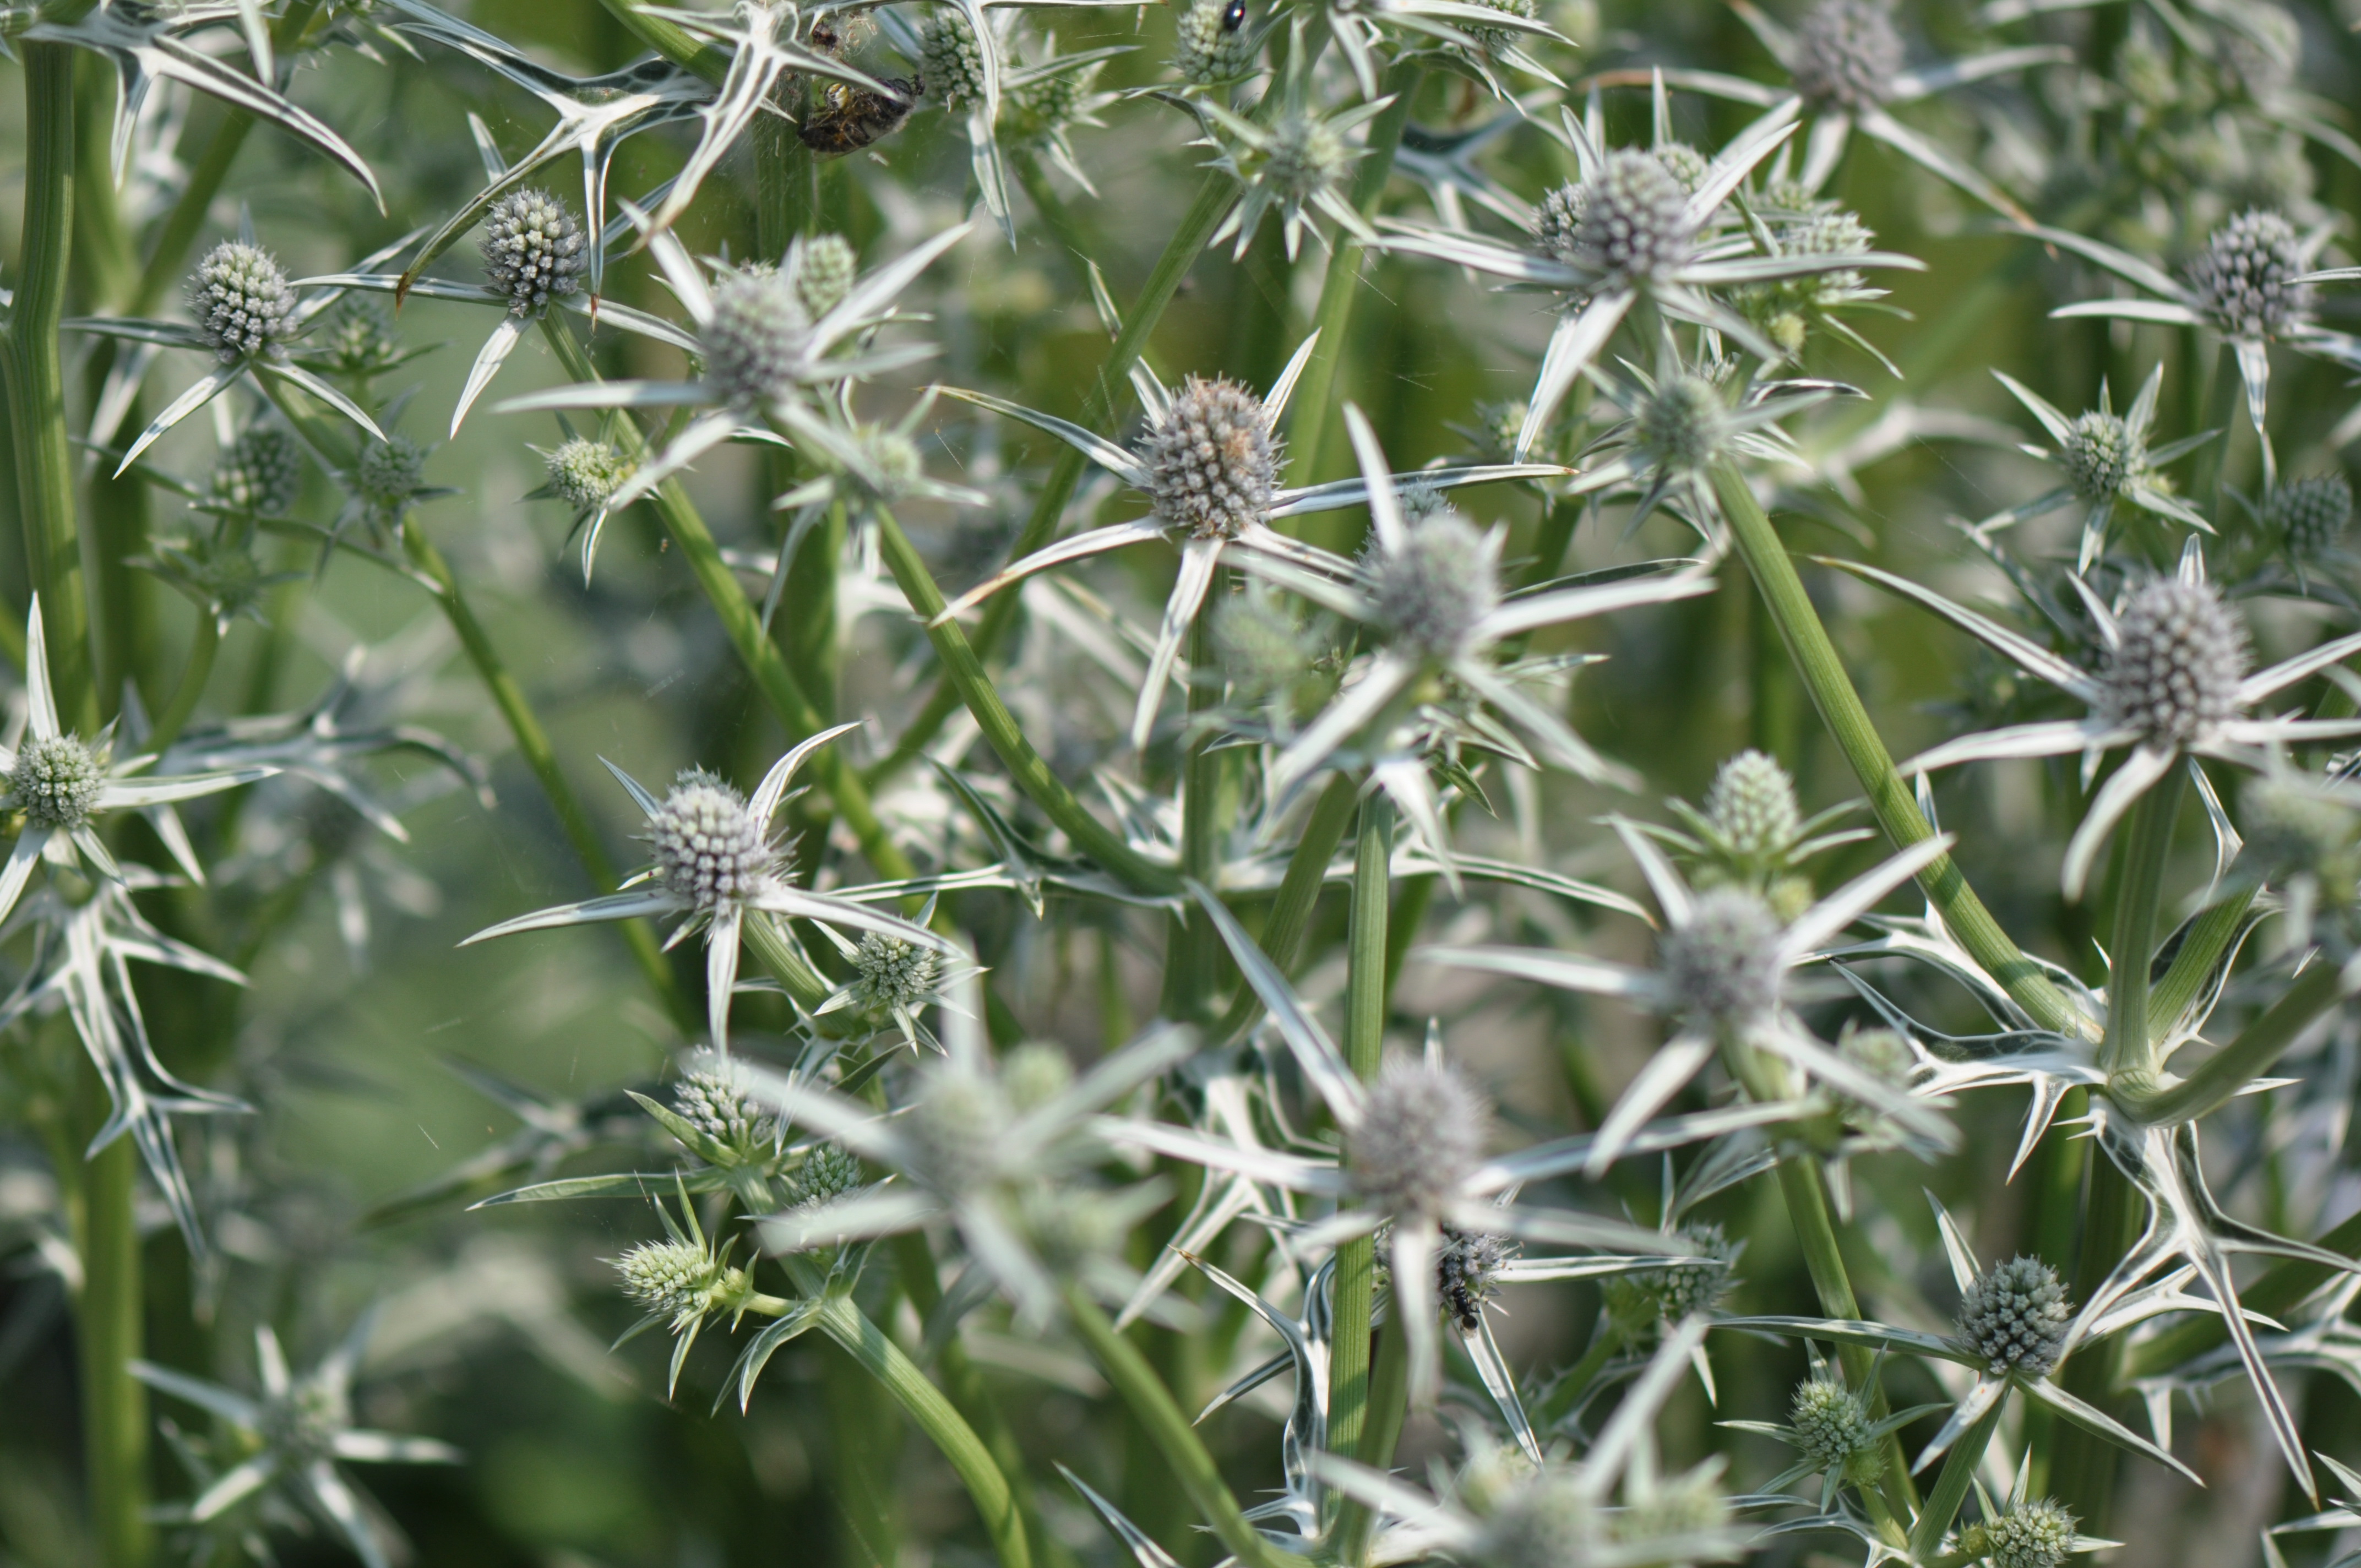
1409,1021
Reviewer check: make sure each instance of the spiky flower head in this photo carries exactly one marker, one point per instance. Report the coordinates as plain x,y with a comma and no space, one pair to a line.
1682,424
2101,456
56,781
895,464
242,300
679,1279
1847,54
1752,805
1304,156
957,1121
1685,163
1628,221
828,1172
1690,1506
2245,277
824,271
2309,516
2179,656
1637,1302
1038,110
388,473
1722,965
360,341
1035,1073
1832,1426
303,1424
1434,589
894,975
1421,1131
1266,652
533,250
709,850
754,336
1547,1520
2016,1316
1467,1274
583,473
261,472
949,57
1214,43
711,1097
2037,1534
1213,463
2295,825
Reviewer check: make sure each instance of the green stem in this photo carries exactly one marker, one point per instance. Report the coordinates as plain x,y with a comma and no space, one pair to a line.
2209,938
1299,894
533,744
1389,1403
743,622
204,643
1151,1404
1197,224
2127,1049
965,672
1365,1030
1890,799
109,1337
2248,1058
1952,1487
2084,1465
1331,318
1195,972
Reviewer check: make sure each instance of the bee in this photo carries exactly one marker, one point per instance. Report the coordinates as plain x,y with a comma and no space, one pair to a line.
844,118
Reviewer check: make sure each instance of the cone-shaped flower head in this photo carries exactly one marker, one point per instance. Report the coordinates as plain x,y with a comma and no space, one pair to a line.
584,473
56,781
1422,1132
1832,1426
1847,54
2101,456
2015,1317
261,472
1638,1302
712,1098
1683,424
949,59
388,473
2245,277
1628,221
1548,1521
825,268
1212,464
679,1279
893,973
1752,804
1434,589
1305,156
533,250
242,300
1724,965
2180,657
1213,42
753,336
827,1173
956,1123
709,850
2309,516
2037,1534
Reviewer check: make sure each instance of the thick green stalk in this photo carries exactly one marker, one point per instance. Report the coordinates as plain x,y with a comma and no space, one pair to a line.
1197,225
1193,973
1364,1031
1299,894
533,744
1389,1403
2128,1049
2248,1058
965,672
2209,938
1331,318
2084,1465
1890,798
1952,1487
195,671
109,1334
743,622
1151,1404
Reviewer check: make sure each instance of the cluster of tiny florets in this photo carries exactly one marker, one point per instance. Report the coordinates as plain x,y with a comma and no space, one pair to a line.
242,300
1847,53
1636,1302
2101,456
1547,1521
358,342
708,848
754,341
1040,109
892,972
828,1172
823,270
1723,964
1631,221
950,59
1434,590
1213,42
533,250
1832,1425
1682,424
2309,516
2179,656
2016,1316
714,1101
1212,464
583,473
1467,1274
2037,1534
2244,278
1303,156
1035,1073
1751,805
56,781
303,1423
387,473
959,1120
260,472
677,1279
1688,1507
1421,1130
